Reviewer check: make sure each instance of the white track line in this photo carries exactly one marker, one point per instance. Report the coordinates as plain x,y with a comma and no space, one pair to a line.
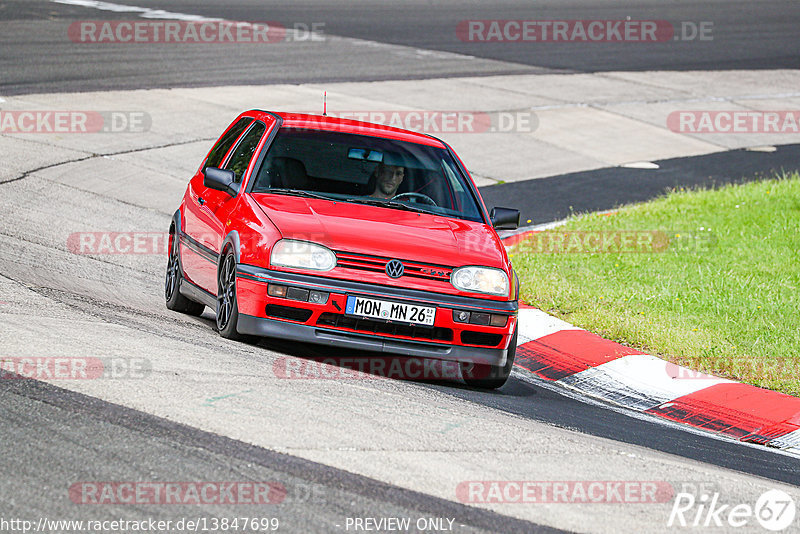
144,12
148,13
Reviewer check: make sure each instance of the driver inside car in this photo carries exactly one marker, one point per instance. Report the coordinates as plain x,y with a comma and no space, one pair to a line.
387,180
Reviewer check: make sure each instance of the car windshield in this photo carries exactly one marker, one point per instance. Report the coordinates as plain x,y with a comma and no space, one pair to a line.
364,169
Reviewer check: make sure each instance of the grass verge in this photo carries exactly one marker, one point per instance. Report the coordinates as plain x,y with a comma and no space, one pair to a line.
705,278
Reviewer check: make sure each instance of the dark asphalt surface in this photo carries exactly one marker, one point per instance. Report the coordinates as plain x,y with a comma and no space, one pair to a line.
745,34
526,399
62,438
36,54
555,198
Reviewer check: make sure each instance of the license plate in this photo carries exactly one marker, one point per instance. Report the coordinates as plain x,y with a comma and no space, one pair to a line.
396,312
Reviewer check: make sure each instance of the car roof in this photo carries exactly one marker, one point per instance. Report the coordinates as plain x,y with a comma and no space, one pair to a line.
322,122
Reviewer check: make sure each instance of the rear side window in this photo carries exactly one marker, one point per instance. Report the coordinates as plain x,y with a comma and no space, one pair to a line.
243,153
226,142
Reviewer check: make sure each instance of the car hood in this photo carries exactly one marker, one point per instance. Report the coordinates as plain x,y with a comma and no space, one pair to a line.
384,232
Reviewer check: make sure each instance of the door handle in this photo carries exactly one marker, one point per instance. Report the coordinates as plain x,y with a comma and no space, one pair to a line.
201,200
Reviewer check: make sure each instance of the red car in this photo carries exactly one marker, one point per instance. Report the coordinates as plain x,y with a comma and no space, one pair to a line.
339,232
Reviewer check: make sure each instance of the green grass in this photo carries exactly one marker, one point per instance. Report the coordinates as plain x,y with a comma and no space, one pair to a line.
721,295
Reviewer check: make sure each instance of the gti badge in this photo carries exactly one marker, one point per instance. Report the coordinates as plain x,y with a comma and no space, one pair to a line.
394,269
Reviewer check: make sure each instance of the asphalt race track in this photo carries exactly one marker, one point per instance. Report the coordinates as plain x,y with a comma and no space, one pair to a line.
552,199
200,408
749,35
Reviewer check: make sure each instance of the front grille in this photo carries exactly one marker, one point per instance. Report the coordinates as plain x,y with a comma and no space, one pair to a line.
379,327
363,262
468,337
288,312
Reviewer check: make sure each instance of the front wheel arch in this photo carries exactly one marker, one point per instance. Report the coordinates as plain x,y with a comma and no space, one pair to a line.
230,328
230,243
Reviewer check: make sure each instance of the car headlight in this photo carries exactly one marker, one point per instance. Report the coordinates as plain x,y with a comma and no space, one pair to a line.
302,255
480,280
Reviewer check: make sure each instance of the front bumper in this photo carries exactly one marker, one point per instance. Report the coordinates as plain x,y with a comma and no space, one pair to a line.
326,324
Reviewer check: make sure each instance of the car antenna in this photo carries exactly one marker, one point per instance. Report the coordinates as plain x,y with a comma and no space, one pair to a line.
325,104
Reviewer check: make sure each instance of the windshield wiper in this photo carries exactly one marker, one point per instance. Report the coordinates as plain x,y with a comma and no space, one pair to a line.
387,203
390,204
296,193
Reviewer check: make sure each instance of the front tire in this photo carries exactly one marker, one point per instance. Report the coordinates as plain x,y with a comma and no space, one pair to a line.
490,376
172,283
227,308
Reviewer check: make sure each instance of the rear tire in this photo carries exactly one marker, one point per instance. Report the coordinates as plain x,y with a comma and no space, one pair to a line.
172,295
486,376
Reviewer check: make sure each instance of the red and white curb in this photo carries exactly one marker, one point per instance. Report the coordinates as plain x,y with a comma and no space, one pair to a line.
563,354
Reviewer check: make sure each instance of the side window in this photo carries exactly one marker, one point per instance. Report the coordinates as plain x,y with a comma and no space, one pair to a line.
243,153
226,142
458,193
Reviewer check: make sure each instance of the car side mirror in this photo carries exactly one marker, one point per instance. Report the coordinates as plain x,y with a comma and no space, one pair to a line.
505,218
221,180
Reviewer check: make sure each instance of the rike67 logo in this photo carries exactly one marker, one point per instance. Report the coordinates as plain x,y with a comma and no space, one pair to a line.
774,510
